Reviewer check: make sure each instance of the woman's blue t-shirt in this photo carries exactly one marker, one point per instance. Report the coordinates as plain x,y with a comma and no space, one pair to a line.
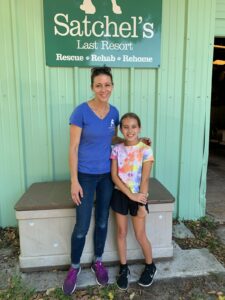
96,137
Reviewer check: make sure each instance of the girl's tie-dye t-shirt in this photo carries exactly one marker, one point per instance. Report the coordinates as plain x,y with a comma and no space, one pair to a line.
130,160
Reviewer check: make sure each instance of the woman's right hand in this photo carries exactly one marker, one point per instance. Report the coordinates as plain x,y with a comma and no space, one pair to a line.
76,192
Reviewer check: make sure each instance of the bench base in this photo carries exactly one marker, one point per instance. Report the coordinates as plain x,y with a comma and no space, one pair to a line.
45,237
46,217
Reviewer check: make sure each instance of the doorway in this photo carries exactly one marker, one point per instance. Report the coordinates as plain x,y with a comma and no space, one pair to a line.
215,195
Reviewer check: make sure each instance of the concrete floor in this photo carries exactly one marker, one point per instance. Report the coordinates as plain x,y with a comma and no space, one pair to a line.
185,264
215,194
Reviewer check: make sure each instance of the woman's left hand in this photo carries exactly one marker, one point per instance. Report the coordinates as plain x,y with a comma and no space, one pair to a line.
146,141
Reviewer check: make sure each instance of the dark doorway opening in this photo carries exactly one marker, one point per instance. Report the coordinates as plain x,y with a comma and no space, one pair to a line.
215,196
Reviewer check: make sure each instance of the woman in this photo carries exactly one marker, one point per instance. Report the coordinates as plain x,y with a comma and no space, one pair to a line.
93,126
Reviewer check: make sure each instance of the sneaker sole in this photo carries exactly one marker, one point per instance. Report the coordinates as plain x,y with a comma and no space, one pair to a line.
74,286
146,285
121,288
101,284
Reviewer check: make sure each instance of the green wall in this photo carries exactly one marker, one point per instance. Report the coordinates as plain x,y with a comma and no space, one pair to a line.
172,101
220,18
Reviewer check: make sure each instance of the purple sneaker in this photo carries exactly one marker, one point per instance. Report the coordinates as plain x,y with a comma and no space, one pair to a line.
70,282
101,273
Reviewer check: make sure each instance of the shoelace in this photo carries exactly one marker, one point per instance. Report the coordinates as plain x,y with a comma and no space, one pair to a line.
98,265
148,271
124,271
100,268
72,273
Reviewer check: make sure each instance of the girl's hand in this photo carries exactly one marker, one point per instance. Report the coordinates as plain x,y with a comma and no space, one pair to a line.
76,192
139,197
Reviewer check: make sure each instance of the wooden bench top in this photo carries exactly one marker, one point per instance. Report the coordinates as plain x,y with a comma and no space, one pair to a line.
56,195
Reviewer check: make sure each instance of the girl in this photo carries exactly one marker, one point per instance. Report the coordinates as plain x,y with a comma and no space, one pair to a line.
131,167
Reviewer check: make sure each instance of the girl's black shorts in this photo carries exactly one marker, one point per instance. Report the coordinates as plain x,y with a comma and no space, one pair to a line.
121,204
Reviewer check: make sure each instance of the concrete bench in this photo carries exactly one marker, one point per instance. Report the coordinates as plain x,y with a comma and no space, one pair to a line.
46,218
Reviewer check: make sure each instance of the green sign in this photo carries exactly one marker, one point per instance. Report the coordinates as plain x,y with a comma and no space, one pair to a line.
118,33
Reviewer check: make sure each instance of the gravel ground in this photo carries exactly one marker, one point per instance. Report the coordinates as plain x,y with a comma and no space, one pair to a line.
209,287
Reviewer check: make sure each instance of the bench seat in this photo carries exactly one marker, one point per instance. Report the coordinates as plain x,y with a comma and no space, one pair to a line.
46,218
